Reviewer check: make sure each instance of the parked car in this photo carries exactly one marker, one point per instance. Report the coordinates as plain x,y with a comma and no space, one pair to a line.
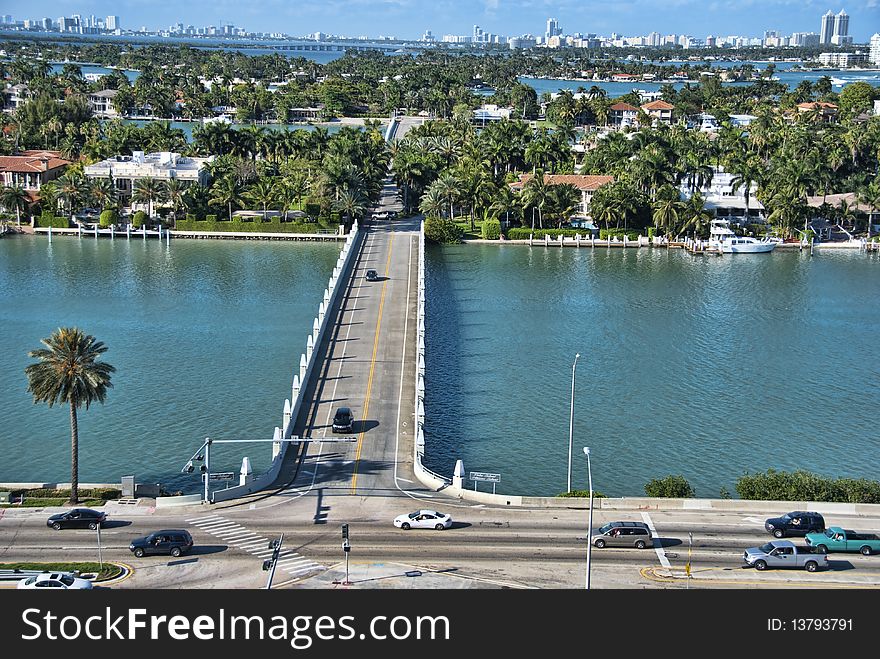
372,275
837,539
343,420
623,534
173,542
795,523
380,215
423,519
784,553
78,518
55,580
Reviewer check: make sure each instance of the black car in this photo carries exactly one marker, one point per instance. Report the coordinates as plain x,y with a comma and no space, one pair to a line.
372,275
795,523
78,518
343,421
174,542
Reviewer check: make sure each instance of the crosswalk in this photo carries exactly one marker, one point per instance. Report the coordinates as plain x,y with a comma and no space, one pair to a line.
236,535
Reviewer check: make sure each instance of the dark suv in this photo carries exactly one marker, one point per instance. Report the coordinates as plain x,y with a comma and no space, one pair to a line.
795,523
173,542
82,518
343,421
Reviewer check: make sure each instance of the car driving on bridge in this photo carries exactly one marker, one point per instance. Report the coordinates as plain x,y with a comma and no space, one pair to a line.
423,519
343,421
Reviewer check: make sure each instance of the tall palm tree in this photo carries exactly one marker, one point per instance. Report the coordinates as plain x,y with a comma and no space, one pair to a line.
175,196
352,204
103,193
148,191
226,192
262,194
448,188
432,202
71,190
536,194
15,197
68,370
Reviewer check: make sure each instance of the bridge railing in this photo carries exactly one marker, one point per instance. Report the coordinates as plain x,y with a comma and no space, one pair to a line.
307,361
423,473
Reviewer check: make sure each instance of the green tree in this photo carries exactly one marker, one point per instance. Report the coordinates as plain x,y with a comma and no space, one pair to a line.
15,197
671,487
148,191
68,371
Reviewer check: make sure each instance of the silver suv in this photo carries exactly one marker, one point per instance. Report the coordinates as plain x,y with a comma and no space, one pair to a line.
623,534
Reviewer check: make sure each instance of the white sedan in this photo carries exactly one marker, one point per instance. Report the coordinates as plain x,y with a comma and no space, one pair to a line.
423,519
55,581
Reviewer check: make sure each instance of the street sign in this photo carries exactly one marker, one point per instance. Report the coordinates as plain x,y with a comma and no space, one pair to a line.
483,476
223,476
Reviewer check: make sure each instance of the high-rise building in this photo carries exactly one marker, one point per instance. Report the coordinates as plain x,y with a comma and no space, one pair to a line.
111,22
827,30
841,24
874,53
553,28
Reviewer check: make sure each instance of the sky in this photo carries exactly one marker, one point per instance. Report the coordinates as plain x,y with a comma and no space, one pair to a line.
408,19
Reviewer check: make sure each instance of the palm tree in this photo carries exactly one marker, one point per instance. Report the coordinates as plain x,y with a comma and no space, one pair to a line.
175,195
71,190
535,193
695,215
448,188
15,197
432,202
351,203
226,192
262,194
148,190
68,371
666,210
103,193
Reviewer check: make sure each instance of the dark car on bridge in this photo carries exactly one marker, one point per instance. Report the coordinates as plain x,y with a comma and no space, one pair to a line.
343,421
78,518
795,523
173,542
372,275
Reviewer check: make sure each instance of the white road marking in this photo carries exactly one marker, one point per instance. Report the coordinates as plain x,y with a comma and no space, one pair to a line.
753,520
661,553
199,520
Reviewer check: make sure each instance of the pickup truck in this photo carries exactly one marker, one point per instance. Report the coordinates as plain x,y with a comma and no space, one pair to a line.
837,539
784,553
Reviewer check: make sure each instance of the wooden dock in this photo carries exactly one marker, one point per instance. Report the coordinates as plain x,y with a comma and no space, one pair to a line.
168,234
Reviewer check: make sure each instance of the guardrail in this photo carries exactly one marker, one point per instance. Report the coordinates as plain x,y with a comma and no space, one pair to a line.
424,474
307,361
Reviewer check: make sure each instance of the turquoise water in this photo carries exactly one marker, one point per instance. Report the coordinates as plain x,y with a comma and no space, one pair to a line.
205,337
702,366
187,126
839,79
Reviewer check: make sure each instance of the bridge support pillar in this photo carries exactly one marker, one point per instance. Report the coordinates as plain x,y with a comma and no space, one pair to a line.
246,475
285,417
303,364
276,445
310,348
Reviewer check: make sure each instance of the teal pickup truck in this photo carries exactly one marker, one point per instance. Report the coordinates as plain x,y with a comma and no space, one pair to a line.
835,538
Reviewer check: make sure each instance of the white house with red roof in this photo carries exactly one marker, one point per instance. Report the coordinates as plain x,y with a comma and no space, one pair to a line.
587,184
31,170
623,114
660,111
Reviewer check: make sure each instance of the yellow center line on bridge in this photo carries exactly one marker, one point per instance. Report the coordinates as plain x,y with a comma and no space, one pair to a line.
360,443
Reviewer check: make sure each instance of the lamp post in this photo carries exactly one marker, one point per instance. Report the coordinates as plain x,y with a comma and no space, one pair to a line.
590,524
571,421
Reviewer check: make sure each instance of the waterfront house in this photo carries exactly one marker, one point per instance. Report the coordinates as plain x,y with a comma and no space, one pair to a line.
623,114
660,111
726,203
102,103
31,170
826,112
870,214
490,113
14,97
586,184
163,166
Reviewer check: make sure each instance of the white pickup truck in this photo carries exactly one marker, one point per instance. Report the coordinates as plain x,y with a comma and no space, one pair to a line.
784,553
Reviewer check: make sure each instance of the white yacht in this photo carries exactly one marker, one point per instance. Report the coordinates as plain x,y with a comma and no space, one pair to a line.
722,237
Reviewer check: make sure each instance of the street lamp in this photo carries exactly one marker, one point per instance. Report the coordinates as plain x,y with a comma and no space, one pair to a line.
571,420
590,524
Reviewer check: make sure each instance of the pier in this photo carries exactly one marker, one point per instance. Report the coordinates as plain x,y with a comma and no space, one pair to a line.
168,234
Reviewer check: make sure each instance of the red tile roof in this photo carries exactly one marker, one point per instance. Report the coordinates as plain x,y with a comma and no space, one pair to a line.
30,164
624,107
583,182
658,105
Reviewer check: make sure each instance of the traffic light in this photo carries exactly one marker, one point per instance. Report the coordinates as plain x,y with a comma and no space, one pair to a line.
345,531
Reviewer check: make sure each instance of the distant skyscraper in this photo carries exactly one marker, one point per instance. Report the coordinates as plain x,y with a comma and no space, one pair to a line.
827,30
875,50
841,24
111,22
553,28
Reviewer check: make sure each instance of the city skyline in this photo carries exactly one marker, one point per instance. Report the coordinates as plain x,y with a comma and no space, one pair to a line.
409,19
